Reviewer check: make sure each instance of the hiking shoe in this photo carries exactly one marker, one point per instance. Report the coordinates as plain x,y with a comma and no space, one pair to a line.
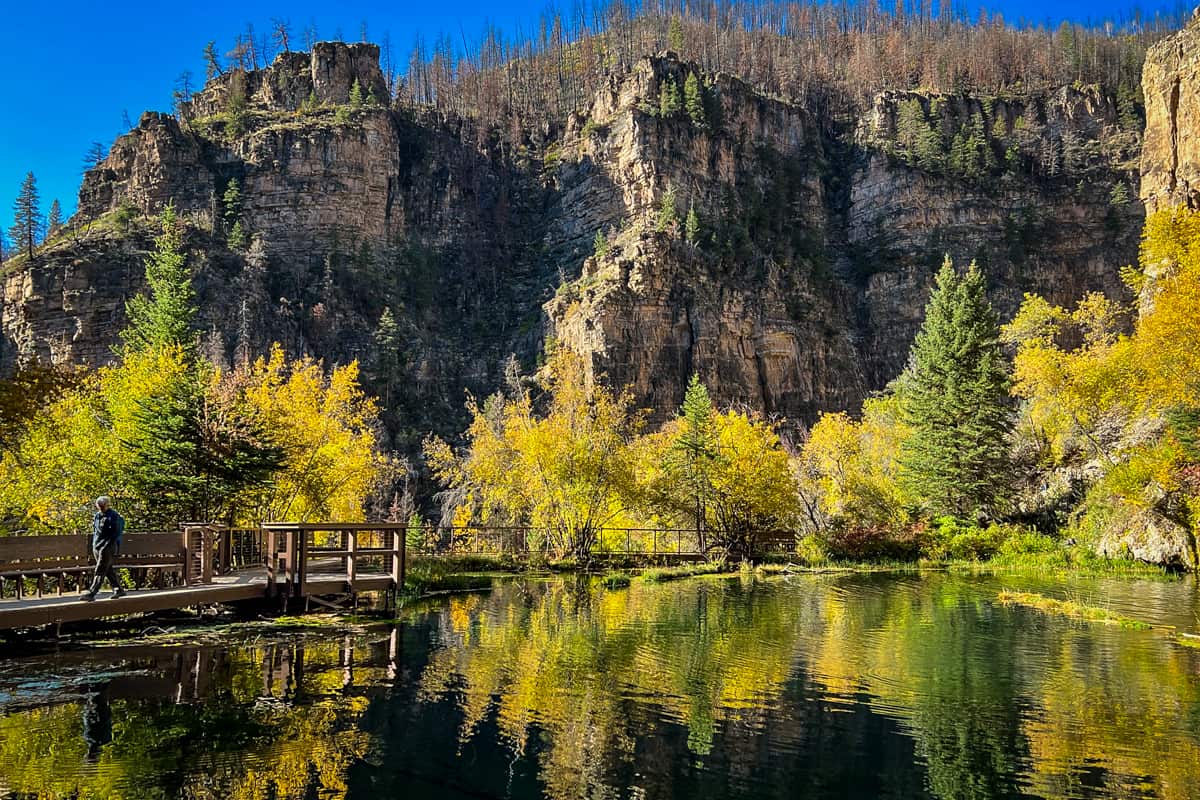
118,592
87,597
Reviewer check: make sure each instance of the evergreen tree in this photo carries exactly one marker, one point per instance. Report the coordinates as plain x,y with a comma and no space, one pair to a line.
27,217
693,99
675,35
600,245
389,355
1119,195
164,316
197,452
415,533
954,398
237,238
55,220
231,202
910,118
669,103
667,215
356,95
691,226
695,453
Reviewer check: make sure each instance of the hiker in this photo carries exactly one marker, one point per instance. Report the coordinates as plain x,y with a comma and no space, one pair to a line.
107,527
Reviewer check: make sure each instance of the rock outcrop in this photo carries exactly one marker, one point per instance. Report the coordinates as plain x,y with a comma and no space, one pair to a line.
796,289
1171,152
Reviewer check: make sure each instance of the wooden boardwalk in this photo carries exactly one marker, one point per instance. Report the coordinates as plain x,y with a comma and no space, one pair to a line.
203,565
240,586
294,564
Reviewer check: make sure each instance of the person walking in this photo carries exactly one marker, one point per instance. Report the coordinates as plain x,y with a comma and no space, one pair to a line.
107,527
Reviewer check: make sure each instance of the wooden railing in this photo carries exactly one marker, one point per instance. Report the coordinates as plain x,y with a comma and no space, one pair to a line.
297,551
40,565
294,554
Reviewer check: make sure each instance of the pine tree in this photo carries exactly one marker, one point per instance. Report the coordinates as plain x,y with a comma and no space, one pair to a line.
1119,195
695,452
668,98
231,202
237,238
164,315
691,226
667,214
954,398
27,217
356,95
196,453
54,220
675,35
693,99
389,355
600,245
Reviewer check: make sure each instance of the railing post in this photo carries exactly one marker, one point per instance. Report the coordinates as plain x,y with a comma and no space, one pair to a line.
190,565
225,550
302,562
351,557
206,554
289,560
269,558
403,559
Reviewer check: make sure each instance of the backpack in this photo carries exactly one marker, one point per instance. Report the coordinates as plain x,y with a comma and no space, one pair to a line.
119,523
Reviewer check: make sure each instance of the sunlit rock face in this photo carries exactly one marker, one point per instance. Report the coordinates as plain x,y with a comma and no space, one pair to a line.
1171,154
798,289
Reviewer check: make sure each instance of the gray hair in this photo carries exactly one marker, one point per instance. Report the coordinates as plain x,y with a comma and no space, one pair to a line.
104,500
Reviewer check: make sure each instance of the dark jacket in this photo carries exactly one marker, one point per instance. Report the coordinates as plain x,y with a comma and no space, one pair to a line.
107,527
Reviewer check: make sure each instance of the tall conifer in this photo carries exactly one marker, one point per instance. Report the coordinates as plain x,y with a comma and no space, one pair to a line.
163,316
955,400
27,217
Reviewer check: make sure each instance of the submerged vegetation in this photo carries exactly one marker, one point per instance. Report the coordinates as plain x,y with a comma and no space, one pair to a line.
1069,608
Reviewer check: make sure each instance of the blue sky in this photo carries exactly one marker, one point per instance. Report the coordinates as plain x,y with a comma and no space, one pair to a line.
71,69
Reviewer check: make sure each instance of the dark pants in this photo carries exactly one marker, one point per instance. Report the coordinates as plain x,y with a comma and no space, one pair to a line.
105,553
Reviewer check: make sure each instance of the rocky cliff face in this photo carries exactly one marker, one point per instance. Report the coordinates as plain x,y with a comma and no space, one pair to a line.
1059,219
795,288
1171,155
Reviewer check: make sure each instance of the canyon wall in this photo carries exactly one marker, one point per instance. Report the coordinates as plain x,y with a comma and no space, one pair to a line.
783,256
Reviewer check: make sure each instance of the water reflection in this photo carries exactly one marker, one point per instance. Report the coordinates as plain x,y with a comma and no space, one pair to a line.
846,686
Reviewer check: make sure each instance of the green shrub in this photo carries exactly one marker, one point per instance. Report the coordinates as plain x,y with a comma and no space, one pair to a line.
951,539
811,551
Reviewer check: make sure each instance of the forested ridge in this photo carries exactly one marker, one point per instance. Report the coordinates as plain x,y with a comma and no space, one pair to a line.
971,111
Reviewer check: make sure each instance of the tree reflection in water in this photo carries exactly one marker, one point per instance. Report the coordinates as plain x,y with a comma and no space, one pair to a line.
822,686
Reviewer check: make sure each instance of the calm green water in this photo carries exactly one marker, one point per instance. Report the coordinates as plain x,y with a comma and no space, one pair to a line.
821,686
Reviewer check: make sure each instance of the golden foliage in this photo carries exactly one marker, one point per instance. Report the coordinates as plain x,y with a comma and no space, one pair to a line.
564,470
327,427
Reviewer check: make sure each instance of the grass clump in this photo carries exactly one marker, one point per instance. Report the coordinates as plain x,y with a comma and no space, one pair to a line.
665,574
615,580
1070,609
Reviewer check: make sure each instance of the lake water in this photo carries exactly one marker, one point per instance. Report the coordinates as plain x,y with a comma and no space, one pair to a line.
828,686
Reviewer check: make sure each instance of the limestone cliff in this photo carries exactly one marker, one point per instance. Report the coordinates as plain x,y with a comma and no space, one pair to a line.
796,287
1171,155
